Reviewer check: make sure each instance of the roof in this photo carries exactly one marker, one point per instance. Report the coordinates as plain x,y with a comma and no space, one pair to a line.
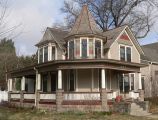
53,35
151,52
111,35
85,24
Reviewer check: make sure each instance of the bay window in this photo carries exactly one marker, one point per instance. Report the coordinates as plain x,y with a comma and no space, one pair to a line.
125,53
85,48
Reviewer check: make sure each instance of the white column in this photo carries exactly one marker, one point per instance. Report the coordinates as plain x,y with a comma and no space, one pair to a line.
38,81
23,83
9,85
59,79
140,81
103,78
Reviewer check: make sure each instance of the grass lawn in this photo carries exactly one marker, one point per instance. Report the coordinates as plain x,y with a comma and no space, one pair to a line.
28,114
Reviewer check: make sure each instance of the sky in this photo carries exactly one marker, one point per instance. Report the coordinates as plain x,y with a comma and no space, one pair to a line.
35,15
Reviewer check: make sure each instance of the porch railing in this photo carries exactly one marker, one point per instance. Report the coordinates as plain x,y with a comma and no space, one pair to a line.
112,94
15,95
81,96
29,96
134,95
48,96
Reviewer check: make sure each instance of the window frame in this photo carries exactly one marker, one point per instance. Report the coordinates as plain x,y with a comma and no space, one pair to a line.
126,46
101,41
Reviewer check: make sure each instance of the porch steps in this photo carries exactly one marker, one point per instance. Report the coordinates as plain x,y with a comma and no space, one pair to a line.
136,110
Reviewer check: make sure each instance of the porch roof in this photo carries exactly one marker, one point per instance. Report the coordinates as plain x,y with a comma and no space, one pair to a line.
79,64
91,63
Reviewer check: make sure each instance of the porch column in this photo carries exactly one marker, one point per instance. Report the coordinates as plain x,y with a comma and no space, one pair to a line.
141,92
9,89
38,88
59,92
103,91
22,90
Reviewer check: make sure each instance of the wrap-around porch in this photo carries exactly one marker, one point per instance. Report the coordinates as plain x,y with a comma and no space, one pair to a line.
77,86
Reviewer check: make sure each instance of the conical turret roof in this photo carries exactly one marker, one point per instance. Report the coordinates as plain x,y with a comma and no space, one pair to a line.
85,24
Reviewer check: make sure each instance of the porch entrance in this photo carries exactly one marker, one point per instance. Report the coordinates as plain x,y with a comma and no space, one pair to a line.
53,82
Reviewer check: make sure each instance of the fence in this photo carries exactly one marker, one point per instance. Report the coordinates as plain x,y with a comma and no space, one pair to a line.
3,96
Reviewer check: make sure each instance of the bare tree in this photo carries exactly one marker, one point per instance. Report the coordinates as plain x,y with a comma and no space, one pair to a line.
5,30
114,13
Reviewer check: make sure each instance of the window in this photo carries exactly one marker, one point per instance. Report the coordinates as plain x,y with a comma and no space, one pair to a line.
84,48
71,50
97,49
142,80
40,55
91,48
77,52
128,49
46,54
126,83
125,53
122,53
53,53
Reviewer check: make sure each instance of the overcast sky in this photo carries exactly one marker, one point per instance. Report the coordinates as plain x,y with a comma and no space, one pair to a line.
35,16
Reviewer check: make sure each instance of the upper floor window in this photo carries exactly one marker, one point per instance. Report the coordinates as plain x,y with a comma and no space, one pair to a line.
40,55
46,54
125,53
53,52
84,48
97,49
71,50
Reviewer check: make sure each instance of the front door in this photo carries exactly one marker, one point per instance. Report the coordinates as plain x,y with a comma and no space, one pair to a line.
53,82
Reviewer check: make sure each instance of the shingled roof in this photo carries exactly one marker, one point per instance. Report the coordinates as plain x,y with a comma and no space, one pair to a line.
111,35
85,24
53,35
151,52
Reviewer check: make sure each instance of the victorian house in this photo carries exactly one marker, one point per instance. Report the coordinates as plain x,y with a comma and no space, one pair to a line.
84,68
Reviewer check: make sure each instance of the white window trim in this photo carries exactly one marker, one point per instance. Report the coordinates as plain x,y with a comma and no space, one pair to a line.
81,38
126,46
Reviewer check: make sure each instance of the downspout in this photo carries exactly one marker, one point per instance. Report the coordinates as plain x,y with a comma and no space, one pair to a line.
150,75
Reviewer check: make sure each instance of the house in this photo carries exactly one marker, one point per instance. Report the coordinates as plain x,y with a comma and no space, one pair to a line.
150,72
84,68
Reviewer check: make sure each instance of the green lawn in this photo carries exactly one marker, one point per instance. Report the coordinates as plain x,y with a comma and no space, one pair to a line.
28,114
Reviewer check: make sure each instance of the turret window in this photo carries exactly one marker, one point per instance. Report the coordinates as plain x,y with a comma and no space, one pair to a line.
40,55
97,49
84,48
71,50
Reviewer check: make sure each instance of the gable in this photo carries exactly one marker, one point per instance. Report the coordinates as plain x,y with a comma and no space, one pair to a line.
126,37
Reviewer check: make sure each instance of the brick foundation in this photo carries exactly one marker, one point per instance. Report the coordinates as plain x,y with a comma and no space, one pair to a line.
104,101
59,100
